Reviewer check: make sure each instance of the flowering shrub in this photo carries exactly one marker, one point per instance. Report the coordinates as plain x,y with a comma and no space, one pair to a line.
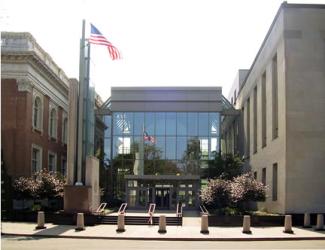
246,188
220,193
26,187
42,184
216,193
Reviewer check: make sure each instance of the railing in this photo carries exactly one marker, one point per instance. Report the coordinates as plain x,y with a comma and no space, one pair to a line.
204,210
101,208
179,209
151,212
122,208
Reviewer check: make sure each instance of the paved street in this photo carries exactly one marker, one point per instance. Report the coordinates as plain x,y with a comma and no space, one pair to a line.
35,243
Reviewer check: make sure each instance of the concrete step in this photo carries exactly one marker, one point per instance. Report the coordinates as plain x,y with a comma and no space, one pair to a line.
139,220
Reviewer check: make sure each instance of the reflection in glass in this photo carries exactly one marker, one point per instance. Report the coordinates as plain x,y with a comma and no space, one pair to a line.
204,124
204,147
181,123
170,123
138,123
128,123
160,123
214,124
107,149
214,145
193,149
160,145
192,123
149,126
118,123
107,120
181,147
171,148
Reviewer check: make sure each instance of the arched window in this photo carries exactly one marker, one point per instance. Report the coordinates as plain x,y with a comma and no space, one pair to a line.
53,123
37,113
65,130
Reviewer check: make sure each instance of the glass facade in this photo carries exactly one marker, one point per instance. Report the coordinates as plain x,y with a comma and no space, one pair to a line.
176,143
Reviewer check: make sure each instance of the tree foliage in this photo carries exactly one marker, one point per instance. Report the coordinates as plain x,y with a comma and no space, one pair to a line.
225,166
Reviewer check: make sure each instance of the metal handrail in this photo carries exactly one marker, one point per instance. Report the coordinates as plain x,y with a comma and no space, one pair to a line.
101,208
122,208
179,210
204,210
151,211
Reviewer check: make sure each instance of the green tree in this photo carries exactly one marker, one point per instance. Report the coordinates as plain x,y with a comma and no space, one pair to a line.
225,166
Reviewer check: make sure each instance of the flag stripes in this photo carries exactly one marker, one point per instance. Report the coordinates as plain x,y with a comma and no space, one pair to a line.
97,38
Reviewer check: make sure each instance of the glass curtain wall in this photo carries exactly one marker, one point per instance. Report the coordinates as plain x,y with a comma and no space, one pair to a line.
175,143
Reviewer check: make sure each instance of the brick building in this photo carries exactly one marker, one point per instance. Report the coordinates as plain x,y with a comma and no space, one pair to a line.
34,107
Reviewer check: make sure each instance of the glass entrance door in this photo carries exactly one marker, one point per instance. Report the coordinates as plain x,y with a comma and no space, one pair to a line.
162,197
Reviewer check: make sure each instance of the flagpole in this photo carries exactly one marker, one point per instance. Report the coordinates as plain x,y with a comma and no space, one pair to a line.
81,106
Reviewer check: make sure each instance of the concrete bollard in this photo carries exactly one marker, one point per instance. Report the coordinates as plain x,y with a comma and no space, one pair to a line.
80,222
288,224
247,224
40,220
307,220
120,223
162,224
320,222
204,224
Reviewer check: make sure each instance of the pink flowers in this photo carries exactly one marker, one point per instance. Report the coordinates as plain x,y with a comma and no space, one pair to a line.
42,184
220,193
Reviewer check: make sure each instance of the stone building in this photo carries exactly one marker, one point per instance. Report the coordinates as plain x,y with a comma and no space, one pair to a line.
34,107
281,129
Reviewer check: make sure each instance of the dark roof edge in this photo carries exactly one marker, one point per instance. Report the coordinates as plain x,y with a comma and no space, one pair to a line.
282,6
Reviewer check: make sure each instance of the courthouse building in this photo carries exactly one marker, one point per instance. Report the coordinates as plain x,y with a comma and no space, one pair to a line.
34,107
281,129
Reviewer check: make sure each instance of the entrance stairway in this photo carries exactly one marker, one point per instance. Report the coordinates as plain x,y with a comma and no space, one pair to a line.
139,220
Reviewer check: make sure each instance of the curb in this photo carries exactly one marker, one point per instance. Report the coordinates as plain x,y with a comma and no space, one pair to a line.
166,239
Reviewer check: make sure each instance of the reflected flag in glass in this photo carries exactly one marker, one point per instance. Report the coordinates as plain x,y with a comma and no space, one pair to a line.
147,137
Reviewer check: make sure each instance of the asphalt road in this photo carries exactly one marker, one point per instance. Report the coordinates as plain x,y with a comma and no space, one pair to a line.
35,243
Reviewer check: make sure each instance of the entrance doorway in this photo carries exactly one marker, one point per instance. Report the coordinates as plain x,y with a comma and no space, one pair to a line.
162,197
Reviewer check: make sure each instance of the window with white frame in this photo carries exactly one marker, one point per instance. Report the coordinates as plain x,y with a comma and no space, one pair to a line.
65,129
53,122
52,162
37,113
36,158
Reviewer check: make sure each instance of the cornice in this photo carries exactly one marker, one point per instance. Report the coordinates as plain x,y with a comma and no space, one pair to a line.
22,47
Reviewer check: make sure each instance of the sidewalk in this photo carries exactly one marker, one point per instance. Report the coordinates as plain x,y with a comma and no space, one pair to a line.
151,232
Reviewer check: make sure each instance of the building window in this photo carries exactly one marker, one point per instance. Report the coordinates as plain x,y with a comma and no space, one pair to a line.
52,162
36,158
53,123
255,175
37,113
65,130
235,96
64,166
255,120
264,176
274,97
263,109
275,182
248,127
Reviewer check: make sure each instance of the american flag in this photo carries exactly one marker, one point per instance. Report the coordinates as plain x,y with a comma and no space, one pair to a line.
147,137
97,38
